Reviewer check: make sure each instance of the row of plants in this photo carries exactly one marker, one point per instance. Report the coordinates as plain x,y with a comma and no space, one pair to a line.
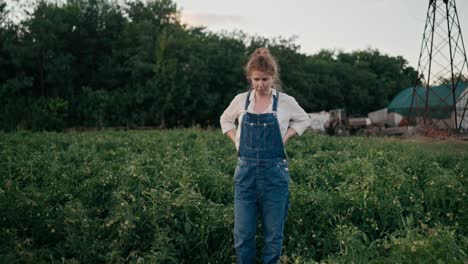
166,196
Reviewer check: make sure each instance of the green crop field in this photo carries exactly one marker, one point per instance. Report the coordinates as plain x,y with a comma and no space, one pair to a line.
167,197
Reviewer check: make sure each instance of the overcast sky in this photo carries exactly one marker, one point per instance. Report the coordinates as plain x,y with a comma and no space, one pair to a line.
394,27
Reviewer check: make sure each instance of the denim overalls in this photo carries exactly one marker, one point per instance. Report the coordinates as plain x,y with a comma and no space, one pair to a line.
261,186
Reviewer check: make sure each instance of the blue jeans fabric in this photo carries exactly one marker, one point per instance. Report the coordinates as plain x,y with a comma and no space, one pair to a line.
260,189
261,181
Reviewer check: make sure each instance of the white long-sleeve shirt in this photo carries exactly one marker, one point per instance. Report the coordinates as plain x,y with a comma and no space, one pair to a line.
289,114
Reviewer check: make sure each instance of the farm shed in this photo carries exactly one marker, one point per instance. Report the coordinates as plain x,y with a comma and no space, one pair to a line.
461,104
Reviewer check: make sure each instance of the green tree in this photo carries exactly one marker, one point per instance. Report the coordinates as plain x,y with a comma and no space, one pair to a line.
101,63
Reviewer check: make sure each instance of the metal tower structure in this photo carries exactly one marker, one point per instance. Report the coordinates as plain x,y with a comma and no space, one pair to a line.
441,103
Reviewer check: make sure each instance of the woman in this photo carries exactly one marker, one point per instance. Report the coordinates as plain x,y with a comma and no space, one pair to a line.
267,119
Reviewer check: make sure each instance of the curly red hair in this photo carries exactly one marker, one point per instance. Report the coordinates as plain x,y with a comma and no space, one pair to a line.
262,60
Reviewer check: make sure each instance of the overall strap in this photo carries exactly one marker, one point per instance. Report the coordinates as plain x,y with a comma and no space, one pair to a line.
275,101
247,101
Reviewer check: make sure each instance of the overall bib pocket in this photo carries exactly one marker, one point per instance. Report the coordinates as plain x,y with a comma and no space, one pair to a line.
259,136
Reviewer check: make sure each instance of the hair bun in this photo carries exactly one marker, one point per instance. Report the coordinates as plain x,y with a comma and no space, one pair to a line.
262,52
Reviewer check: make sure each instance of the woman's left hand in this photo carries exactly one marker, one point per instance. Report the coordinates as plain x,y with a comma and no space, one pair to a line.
289,133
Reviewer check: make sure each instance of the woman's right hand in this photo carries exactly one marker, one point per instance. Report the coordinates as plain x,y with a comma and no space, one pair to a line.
232,135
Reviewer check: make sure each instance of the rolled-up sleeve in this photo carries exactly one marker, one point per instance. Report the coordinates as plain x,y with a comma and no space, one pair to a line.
229,116
300,120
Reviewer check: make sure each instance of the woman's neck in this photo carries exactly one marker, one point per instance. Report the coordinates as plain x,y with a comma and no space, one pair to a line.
262,97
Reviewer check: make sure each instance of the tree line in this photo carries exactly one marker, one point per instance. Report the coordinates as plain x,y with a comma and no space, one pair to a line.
98,63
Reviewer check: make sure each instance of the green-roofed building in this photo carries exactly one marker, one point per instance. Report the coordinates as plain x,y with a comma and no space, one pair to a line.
440,102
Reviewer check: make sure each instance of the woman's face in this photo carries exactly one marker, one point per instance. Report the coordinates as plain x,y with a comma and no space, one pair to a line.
262,82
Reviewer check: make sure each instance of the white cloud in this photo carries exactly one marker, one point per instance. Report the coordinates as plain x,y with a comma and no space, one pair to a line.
209,19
